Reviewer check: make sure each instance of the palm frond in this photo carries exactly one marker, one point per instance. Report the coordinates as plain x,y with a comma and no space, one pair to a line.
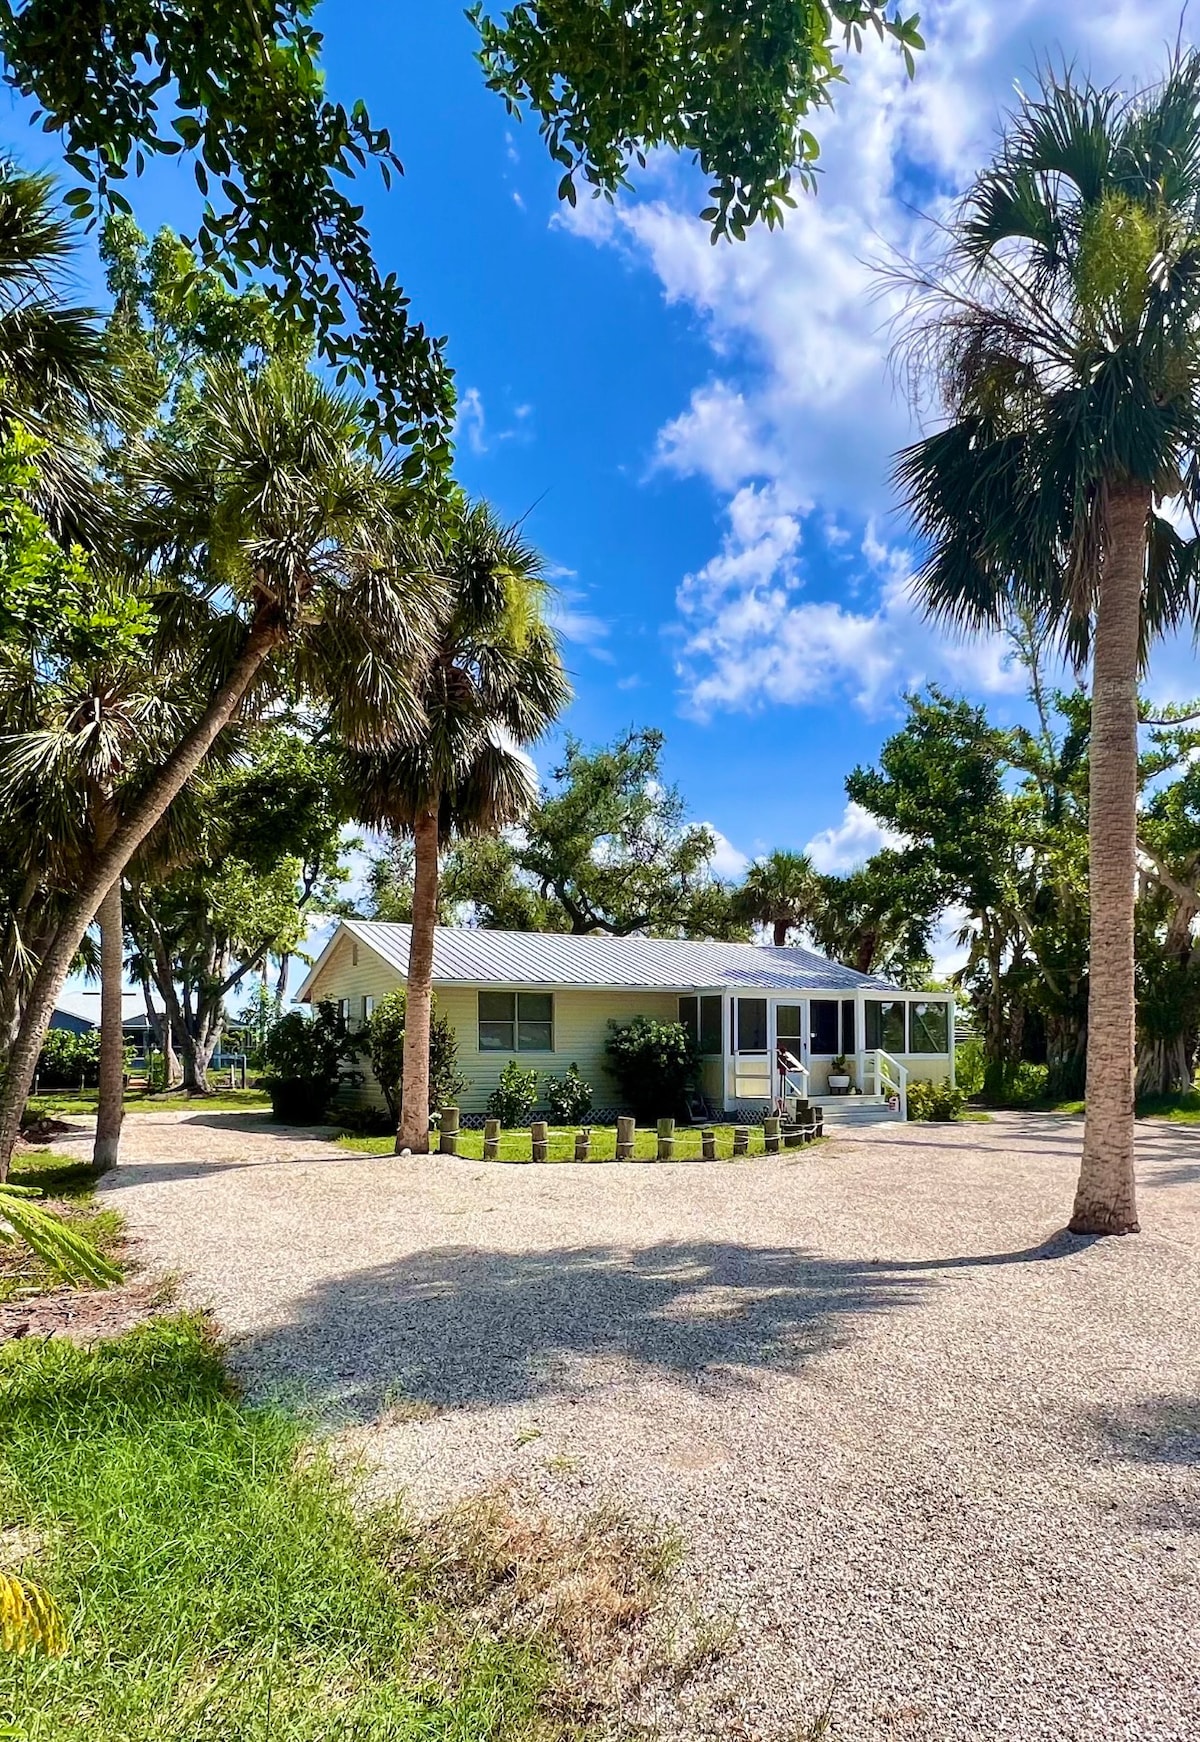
55,1242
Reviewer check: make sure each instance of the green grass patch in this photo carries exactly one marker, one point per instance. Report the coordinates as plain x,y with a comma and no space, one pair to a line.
68,1185
66,1101
1178,1109
215,1579
515,1145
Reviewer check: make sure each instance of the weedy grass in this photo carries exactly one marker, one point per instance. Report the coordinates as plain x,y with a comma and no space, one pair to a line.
216,1583
560,1143
68,1187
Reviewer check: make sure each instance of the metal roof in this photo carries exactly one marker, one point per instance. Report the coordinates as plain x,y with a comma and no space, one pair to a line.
83,1003
466,957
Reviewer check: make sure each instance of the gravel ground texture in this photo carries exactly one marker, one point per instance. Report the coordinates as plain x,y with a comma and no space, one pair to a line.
934,1463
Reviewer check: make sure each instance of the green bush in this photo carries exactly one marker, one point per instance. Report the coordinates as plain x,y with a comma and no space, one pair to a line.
302,1055
384,1036
569,1098
69,1060
1016,1085
515,1097
935,1101
654,1064
968,1065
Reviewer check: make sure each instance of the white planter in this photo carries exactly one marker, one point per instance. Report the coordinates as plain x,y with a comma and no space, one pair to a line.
839,1082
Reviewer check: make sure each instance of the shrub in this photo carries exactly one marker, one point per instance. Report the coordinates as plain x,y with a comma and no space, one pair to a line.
302,1055
68,1060
1016,1085
654,1064
384,1036
935,1101
969,1065
515,1097
569,1098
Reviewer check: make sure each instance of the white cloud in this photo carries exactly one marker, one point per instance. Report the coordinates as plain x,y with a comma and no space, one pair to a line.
752,639
567,613
798,417
728,862
470,421
850,842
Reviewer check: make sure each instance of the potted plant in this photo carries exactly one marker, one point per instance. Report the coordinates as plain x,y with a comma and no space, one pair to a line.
839,1075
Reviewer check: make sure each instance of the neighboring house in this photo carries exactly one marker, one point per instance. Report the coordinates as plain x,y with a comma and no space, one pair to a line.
78,1009
547,999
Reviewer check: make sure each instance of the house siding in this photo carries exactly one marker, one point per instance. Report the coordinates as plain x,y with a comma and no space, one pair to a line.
581,1021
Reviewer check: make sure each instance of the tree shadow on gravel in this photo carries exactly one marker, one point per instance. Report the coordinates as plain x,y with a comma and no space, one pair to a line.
1162,1432
457,1326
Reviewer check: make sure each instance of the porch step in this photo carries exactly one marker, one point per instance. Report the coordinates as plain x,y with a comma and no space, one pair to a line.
854,1110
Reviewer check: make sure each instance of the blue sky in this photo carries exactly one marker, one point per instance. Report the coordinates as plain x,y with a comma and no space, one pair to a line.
700,437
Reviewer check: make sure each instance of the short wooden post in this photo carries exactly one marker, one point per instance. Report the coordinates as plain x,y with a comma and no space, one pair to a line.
741,1140
819,1127
708,1145
771,1134
538,1139
448,1131
491,1139
625,1135
793,1137
583,1143
666,1140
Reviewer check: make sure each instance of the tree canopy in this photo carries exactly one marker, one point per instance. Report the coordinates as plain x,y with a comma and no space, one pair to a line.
237,88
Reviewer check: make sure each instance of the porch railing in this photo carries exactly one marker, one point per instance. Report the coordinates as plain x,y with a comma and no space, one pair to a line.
890,1077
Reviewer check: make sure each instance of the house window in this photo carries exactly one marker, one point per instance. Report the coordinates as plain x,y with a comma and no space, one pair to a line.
751,1025
702,1019
516,1022
929,1026
824,1026
885,1024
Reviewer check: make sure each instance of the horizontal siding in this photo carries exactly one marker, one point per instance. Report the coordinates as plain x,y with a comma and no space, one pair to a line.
580,1026
580,1030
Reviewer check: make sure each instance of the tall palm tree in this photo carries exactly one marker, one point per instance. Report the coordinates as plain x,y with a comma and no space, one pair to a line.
781,891
1062,332
56,379
496,683
285,558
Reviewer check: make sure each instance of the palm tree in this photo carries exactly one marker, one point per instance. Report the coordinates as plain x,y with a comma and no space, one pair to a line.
496,683
781,891
1062,331
55,376
283,552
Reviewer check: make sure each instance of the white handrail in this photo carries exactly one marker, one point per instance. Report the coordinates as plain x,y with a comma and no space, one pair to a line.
795,1068
891,1078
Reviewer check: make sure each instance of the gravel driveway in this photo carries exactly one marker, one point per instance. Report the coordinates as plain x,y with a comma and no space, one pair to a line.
939,1467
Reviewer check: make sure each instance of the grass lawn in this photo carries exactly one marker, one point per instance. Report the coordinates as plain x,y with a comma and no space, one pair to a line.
216,1582
68,1185
515,1145
63,1102
1181,1109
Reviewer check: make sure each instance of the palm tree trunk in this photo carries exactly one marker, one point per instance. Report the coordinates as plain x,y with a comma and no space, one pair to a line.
1105,1202
110,1109
108,865
781,932
414,1094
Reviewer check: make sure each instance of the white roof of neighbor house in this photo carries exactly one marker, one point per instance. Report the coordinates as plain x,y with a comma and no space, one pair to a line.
466,957
84,1004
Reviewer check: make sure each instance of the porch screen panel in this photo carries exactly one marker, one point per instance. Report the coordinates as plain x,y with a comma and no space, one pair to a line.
930,1028
710,1027
885,1024
752,1025
689,1018
823,1026
849,1039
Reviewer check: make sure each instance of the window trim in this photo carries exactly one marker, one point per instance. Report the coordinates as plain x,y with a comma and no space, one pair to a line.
514,1023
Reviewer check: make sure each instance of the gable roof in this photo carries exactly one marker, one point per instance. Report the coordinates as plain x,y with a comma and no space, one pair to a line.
83,1003
465,957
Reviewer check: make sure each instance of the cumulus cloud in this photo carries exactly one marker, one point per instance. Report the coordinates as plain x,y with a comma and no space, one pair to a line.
848,843
798,418
728,862
752,638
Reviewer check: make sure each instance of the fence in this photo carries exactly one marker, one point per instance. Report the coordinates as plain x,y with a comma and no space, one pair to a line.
625,1142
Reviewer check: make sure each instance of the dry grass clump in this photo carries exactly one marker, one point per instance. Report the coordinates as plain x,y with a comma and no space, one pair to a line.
586,1590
